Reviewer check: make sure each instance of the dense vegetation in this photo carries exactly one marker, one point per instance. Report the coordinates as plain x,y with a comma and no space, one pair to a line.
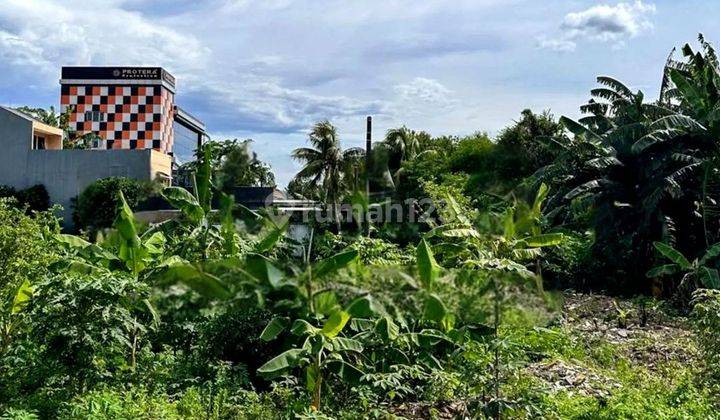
222,314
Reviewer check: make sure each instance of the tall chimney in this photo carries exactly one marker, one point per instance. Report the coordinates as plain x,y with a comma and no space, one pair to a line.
368,151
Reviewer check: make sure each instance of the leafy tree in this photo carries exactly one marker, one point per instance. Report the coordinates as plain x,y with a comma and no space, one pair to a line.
236,166
520,149
35,197
96,207
48,116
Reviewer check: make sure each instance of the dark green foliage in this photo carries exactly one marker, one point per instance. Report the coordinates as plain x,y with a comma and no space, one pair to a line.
642,171
517,152
237,167
95,208
372,251
34,198
26,251
521,150
91,326
234,336
570,264
706,313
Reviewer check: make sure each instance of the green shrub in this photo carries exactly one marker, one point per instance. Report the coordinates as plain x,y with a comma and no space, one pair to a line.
114,404
35,198
569,264
96,206
706,314
372,251
234,336
25,253
13,414
90,327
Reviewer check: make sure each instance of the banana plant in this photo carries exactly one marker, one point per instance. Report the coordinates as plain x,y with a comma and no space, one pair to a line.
699,272
302,290
124,249
323,351
9,319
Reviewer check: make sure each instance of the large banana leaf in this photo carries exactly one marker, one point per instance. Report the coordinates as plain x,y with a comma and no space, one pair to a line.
272,234
176,270
663,270
345,370
131,251
579,129
427,266
301,328
281,363
673,255
710,254
434,309
273,329
656,137
543,240
365,307
334,263
387,329
689,93
22,297
227,223
72,240
709,278
263,270
181,199
346,344
203,190
335,324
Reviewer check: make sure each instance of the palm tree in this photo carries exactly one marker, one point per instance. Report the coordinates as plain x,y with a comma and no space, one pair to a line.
403,143
353,168
325,164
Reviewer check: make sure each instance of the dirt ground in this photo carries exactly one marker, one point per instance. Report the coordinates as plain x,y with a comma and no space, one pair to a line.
644,333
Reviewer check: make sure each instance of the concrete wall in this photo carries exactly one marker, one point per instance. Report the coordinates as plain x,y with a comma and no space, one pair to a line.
15,143
66,173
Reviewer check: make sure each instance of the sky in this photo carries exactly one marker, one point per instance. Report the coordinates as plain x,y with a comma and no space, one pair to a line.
268,69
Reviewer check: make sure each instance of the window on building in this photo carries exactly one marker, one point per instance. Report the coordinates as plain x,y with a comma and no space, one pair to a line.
184,143
38,142
94,116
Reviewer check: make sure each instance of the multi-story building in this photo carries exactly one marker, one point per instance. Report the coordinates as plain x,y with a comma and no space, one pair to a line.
126,107
137,132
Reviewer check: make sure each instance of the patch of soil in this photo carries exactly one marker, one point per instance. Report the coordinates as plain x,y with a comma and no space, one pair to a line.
423,410
650,340
563,376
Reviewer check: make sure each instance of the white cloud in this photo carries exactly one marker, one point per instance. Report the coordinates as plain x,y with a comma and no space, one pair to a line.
602,23
48,35
562,45
421,95
43,35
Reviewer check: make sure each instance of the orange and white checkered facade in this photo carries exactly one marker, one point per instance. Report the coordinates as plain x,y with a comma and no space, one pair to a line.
127,108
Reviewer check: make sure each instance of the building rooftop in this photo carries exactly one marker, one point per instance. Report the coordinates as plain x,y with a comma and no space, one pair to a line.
116,75
37,124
